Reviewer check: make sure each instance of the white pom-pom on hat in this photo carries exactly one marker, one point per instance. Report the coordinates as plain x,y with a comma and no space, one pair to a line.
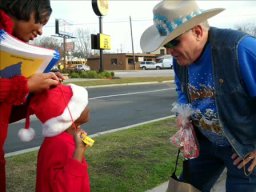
26,134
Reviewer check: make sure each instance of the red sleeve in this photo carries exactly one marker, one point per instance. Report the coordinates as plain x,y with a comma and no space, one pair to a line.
19,112
14,90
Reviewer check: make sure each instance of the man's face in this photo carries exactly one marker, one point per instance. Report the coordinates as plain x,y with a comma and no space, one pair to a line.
187,50
28,30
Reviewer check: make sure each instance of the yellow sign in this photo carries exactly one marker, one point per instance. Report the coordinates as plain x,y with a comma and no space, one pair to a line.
100,7
105,42
103,6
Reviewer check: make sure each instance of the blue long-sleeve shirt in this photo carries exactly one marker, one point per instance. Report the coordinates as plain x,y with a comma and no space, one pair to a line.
201,88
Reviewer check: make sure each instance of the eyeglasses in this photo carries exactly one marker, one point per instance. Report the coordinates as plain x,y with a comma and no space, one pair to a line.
175,42
171,44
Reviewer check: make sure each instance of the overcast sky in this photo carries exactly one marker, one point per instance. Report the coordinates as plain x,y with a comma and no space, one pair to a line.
116,23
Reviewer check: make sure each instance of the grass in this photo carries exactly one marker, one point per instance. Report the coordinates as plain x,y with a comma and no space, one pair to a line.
121,81
132,160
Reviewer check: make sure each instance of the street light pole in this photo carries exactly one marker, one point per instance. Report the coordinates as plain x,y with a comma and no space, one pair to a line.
100,8
101,51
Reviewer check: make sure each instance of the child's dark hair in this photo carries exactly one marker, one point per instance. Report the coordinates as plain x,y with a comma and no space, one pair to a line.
22,9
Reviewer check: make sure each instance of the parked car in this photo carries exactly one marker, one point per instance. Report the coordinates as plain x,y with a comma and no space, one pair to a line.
166,63
162,64
55,69
83,68
150,65
80,67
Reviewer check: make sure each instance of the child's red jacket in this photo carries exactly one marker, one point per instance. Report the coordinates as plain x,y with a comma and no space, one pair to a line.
57,171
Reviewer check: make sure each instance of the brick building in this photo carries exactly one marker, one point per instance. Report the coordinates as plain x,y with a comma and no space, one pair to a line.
119,61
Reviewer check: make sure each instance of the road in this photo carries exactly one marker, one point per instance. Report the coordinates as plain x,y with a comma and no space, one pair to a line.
111,108
145,73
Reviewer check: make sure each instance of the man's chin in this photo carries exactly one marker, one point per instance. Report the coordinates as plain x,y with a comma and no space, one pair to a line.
183,63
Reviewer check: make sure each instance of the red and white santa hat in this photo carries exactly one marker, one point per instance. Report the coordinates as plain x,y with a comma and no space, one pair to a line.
57,109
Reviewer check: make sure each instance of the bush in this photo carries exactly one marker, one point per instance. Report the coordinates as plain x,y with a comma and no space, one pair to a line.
92,74
74,75
105,74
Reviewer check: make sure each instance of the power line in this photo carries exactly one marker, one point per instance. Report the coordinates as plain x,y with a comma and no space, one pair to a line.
145,20
96,23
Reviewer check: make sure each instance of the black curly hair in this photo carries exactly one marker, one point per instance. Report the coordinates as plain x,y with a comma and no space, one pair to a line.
22,9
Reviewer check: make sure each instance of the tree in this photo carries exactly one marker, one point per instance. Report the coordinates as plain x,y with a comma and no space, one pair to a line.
249,28
83,43
48,42
78,54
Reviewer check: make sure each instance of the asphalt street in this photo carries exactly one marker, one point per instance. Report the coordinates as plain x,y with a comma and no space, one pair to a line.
111,108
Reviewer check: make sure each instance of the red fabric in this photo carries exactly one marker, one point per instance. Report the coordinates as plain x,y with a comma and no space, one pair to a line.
6,22
12,92
57,171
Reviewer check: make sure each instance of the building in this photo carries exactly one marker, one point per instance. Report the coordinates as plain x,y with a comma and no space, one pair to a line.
119,61
160,51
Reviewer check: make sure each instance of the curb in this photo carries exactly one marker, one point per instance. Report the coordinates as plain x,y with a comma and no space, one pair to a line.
113,85
93,135
159,188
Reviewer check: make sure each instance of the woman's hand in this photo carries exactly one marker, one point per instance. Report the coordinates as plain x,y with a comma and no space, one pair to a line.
42,81
60,76
240,163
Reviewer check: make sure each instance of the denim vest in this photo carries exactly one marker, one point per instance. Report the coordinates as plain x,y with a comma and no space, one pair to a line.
236,109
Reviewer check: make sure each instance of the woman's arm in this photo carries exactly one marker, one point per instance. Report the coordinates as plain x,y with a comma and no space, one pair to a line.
13,91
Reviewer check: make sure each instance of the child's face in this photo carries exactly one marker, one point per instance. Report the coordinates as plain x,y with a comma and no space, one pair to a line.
84,117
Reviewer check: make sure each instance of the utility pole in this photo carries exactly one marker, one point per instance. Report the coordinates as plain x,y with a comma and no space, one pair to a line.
63,35
64,51
132,44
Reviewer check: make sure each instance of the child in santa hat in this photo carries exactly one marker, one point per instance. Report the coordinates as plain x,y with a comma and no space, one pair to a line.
61,165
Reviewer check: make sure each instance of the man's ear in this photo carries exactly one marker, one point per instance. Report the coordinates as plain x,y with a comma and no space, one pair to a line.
198,32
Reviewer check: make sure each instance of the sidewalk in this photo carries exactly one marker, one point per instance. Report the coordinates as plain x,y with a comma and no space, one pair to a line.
218,187
159,188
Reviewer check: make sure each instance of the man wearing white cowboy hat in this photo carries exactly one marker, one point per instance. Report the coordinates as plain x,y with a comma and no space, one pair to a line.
215,71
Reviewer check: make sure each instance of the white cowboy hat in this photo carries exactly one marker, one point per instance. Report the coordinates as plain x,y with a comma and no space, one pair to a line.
171,19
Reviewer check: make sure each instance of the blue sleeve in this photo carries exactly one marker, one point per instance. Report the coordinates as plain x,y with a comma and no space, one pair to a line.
182,99
247,61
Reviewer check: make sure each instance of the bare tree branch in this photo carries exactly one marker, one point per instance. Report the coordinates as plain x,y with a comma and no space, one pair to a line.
249,28
83,43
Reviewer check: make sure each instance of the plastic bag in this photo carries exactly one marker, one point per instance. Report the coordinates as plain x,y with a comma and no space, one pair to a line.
185,137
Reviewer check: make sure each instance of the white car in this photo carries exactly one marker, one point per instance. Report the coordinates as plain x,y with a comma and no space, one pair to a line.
55,69
150,65
166,63
82,67
162,64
